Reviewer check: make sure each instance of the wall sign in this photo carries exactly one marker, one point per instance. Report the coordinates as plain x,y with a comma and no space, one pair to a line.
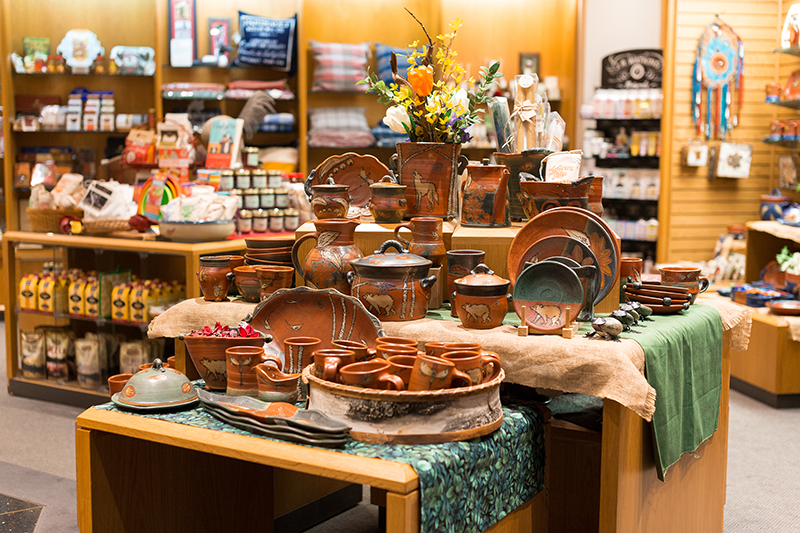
632,69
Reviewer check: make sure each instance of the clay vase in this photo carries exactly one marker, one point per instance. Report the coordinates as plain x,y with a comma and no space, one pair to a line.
327,264
459,264
529,161
275,386
539,196
596,196
241,362
426,238
388,204
330,200
247,283
215,277
273,277
430,172
485,202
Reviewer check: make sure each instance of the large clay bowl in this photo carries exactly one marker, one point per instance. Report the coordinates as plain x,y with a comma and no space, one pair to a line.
265,243
208,356
247,283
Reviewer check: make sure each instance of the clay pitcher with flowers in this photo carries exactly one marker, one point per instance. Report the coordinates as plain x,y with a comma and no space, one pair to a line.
435,105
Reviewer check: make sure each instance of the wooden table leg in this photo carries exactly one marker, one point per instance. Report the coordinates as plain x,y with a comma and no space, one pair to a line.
84,479
402,512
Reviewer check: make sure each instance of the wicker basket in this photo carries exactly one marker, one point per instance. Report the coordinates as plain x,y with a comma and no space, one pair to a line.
49,220
104,227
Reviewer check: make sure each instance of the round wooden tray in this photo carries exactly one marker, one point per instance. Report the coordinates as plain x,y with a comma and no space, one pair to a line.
409,417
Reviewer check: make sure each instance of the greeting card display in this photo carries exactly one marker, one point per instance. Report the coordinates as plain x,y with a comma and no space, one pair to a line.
224,142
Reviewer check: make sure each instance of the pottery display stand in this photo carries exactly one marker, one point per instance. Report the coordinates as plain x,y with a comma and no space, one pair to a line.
439,288
567,332
409,417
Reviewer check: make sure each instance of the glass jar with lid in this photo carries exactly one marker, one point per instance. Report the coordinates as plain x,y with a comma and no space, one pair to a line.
291,219
267,198
260,221
226,180
252,200
239,198
250,156
258,178
244,224
281,198
276,220
243,179
275,179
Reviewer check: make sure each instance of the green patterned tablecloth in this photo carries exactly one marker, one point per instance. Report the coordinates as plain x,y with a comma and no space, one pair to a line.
464,486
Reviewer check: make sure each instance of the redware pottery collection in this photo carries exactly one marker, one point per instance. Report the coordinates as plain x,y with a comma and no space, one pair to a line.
241,362
328,362
426,238
374,374
485,196
480,367
273,277
328,263
481,299
275,386
215,276
529,161
330,200
432,373
247,283
688,278
539,196
208,356
352,170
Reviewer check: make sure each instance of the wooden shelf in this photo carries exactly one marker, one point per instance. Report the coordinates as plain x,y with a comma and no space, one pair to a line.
50,74
69,131
108,243
782,143
98,321
68,393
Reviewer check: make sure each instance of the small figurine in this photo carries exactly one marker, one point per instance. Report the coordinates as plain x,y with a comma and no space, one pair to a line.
626,319
628,308
608,328
643,310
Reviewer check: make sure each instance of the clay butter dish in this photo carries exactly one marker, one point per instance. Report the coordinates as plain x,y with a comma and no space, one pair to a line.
157,388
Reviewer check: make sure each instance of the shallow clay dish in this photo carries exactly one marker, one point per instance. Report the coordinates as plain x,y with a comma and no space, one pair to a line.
578,224
264,243
325,314
274,431
650,300
660,294
663,310
784,307
664,288
547,290
356,171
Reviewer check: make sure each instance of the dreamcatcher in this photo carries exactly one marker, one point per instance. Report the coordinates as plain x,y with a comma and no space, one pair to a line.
718,73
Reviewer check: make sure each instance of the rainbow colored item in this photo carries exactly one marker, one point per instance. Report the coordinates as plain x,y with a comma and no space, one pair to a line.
718,73
148,204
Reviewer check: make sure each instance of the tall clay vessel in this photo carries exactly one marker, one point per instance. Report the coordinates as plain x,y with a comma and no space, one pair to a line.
485,203
328,262
426,238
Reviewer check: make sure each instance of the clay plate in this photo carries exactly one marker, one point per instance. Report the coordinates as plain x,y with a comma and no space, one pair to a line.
662,310
665,288
659,294
356,171
560,246
546,290
579,224
325,314
784,307
264,243
275,433
649,300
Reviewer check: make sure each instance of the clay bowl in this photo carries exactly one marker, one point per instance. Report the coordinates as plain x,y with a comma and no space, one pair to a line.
117,383
282,249
279,256
260,262
784,307
264,243
208,356
247,283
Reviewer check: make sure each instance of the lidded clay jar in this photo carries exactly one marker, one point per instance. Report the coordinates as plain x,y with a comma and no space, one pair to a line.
388,203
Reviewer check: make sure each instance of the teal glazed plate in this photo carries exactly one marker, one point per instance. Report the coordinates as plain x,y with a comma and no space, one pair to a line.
546,290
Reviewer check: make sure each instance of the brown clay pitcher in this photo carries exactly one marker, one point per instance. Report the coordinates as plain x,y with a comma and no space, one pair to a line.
241,362
485,202
327,264
426,238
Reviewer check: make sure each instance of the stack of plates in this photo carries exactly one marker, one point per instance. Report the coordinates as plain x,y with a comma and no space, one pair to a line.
269,251
276,420
662,299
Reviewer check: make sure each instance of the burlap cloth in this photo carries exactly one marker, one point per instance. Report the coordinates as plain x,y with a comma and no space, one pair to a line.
613,370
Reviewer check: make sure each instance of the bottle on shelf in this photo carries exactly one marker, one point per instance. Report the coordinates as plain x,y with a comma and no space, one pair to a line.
98,67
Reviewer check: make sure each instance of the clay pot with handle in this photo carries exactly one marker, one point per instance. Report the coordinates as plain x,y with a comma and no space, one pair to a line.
328,263
426,238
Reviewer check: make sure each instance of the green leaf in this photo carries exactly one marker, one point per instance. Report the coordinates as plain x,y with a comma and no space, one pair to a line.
495,67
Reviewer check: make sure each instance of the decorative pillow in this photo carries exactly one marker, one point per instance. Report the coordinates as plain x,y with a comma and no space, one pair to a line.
338,119
339,66
383,54
268,42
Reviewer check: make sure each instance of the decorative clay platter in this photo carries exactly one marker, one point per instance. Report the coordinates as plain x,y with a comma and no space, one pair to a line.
356,171
326,314
170,407
663,310
313,435
560,246
664,288
578,224
784,307
651,300
546,290
660,294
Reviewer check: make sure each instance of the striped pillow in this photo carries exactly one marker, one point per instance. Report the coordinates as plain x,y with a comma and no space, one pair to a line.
383,53
339,66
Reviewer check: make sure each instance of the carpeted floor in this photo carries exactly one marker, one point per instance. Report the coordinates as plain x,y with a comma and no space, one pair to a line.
37,464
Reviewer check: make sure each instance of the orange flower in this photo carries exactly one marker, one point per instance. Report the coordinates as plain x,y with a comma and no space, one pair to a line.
603,254
421,80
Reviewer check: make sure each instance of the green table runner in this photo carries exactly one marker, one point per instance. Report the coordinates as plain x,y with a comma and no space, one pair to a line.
464,486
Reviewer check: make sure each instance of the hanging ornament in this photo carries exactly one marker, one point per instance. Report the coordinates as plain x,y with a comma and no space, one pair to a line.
718,75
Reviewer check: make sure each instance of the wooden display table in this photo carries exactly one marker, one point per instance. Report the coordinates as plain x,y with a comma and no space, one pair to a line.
217,481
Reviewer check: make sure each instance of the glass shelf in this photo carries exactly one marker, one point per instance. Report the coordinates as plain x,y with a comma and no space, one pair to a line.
781,143
792,51
50,74
98,321
791,104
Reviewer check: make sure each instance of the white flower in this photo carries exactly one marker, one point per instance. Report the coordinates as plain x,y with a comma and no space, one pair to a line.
395,117
460,100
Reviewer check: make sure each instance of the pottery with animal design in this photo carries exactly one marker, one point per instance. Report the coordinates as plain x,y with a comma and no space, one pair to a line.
485,196
208,356
215,276
247,283
330,200
392,286
426,238
275,386
459,264
539,196
375,374
353,170
480,367
430,171
481,299
273,277
388,204
432,373
327,264
528,161
241,362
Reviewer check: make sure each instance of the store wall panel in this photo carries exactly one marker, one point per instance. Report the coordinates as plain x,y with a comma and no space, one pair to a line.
695,211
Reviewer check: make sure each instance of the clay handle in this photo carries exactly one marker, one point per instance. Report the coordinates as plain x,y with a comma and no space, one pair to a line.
273,359
230,276
493,360
393,381
406,225
391,244
704,283
463,161
331,368
308,182
482,268
393,163
427,283
296,249
461,377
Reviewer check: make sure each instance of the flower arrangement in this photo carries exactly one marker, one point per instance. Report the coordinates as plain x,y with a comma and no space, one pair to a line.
429,105
242,330
790,262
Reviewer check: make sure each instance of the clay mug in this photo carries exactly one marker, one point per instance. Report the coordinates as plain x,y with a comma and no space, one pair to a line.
426,238
117,383
148,365
247,283
431,373
241,362
373,374
385,351
396,340
402,365
327,362
686,277
436,348
275,386
273,277
475,364
459,264
462,346
215,276
299,352
236,261
630,267
362,351
171,362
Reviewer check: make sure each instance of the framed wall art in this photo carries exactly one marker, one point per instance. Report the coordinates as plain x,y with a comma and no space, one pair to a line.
529,63
219,34
182,32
